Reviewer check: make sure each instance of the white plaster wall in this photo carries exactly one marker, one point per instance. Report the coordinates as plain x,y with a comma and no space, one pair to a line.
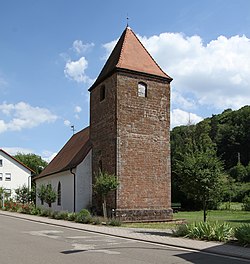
84,183
67,200
20,175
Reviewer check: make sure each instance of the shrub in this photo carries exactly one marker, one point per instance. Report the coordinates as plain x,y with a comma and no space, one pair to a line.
72,216
35,211
45,212
83,216
246,203
96,220
26,208
62,215
205,231
181,230
242,233
114,222
11,206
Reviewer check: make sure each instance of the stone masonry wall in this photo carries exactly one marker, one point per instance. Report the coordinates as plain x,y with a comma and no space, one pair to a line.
143,160
103,131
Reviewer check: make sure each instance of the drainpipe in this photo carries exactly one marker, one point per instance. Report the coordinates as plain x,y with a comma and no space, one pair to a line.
74,189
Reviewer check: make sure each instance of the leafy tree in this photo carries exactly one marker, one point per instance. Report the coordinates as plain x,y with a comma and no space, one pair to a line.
105,183
239,172
23,195
201,174
34,162
41,193
50,195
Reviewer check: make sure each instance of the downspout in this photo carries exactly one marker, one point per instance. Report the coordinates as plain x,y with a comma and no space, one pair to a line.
74,189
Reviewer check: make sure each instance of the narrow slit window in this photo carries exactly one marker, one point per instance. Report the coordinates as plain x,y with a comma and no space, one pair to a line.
142,89
59,194
102,93
1,163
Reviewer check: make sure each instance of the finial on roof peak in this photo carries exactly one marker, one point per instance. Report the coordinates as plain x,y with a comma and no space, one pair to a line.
127,21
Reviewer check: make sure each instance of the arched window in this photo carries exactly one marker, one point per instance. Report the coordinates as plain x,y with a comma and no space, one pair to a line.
102,93
142,89
59,194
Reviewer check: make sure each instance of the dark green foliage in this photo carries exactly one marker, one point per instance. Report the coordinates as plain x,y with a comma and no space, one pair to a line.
242,233
50,195
228,133
104,184
46,194
34,162
83,216
23,195
246,203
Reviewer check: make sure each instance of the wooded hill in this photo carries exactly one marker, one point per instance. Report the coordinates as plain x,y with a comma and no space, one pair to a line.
228,134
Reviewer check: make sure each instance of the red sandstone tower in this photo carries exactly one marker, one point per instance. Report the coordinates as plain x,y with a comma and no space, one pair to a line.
129,130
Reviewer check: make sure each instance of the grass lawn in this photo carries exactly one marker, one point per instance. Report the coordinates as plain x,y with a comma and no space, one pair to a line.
233,217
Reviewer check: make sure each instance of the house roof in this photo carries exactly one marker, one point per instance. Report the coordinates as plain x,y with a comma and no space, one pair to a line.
71,155
130,54
7,154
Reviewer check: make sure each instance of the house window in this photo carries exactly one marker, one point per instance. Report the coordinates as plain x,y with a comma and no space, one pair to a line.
8,176
59,194
1,163
1,176
102,93
142,89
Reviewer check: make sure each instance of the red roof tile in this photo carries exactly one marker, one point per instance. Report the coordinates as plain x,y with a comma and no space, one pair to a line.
130,54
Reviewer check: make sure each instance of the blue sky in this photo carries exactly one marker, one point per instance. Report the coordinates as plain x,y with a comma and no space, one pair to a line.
52,50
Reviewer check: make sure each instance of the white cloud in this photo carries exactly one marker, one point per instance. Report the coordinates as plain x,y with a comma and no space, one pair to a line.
78,109
67,122
108,48
179,117
215,74
75,70
48,155
14,150
22,116
79,47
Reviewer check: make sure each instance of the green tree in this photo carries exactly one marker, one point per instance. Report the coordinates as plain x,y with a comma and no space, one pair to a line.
33,161
50,195
201,176
105,183
23,195
41,193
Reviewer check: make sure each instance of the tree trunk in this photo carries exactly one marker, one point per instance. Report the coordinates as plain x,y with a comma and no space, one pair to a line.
204,210
104,207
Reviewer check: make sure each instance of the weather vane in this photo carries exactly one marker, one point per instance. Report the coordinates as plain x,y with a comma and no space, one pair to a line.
127,19
73,129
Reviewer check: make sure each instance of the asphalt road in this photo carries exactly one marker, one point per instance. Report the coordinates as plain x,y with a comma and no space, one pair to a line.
27,242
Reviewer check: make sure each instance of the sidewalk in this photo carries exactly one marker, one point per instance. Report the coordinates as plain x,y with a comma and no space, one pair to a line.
147,235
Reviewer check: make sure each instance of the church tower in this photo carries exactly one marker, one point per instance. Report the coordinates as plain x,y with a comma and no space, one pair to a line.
129,130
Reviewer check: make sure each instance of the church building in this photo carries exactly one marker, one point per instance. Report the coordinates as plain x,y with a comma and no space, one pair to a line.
129,136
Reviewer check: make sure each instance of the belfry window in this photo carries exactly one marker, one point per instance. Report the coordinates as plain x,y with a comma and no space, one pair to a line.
102,93
59,194
142,89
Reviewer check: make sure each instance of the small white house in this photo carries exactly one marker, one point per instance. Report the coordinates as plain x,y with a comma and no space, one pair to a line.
13,174
70,175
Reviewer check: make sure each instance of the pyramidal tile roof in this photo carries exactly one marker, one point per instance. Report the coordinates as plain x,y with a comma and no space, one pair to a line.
71,155
130,54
